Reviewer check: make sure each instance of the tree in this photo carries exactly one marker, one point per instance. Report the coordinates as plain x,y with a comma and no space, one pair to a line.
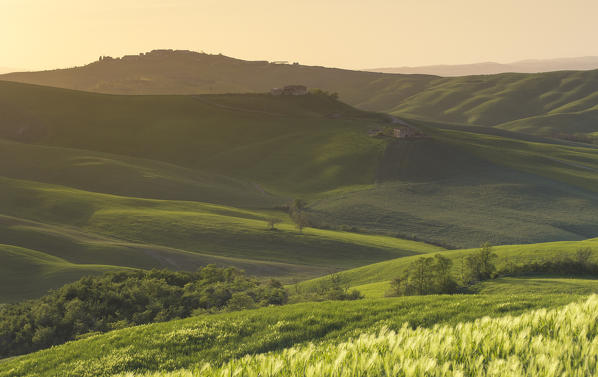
480,266
300,220
487,257
422,273
582,256
443,281
298,205
272,222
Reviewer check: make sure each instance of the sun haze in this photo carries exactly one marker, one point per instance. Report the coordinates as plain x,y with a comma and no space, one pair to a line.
40,34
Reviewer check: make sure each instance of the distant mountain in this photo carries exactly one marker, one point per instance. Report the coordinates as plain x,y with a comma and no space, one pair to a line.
490,68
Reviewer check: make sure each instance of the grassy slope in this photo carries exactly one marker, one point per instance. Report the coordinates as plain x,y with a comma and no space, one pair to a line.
217,338
543,103
91,228
535,190
29,273
297,144
460,188
374,279
127,176
540,343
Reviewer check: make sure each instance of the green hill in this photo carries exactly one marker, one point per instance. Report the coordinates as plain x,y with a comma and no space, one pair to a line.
90,228
374,279
180,181
305,143
192,342
28,273
551,103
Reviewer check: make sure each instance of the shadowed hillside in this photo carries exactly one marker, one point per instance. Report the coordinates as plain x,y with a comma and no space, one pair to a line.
554,103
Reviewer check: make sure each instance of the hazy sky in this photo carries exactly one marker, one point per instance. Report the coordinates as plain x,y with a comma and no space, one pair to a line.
37,34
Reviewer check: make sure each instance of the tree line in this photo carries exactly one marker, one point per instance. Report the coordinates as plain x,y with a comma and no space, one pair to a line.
434,275
122,299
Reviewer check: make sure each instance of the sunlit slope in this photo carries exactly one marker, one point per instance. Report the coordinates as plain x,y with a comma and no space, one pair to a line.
494,99
489,100
540,343
192,342
460,188
298,143
385,271
89,228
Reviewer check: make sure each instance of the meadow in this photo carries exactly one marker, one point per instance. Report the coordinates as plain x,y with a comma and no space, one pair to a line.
91,179
374,279
219,338
545,342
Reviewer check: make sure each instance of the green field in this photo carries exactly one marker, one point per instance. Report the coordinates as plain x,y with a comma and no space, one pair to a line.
560,341
182,181
219,338
90,228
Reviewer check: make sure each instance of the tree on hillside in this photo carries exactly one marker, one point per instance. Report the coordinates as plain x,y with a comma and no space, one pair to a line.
443,280
300,219
272,222
296,212
425,276
480,266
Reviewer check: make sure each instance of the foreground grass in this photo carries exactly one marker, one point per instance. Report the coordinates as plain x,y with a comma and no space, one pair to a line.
192,342
557,342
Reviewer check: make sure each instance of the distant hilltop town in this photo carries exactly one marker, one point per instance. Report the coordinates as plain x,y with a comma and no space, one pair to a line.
289,90
160,53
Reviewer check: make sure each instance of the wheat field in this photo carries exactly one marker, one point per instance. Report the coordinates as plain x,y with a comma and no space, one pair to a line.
542,343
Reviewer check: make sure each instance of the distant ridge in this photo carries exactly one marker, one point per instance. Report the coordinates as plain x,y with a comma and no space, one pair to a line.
4,70
557,104
491,68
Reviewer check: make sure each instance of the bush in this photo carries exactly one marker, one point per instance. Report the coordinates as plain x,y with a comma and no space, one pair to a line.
122,299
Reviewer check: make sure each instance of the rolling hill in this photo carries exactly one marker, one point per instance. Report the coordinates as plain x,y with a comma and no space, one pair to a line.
180,181
192,342
375,279
550,103
133,198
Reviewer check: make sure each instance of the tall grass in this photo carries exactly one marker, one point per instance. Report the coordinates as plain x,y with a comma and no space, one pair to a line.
558,342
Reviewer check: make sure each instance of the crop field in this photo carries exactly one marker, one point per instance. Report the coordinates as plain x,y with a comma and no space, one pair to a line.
541,343
216,339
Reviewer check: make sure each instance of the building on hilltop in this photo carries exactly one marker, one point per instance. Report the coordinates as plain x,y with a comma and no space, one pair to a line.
290,90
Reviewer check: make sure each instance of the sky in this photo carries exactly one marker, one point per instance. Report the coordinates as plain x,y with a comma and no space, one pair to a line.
355,34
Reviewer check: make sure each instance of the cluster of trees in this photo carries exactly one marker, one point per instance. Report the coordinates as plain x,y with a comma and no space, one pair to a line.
122,299
332,288
296,210
580,264
427,275
432,275
320,92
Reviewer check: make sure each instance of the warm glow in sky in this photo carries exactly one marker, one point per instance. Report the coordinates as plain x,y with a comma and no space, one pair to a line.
37,34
